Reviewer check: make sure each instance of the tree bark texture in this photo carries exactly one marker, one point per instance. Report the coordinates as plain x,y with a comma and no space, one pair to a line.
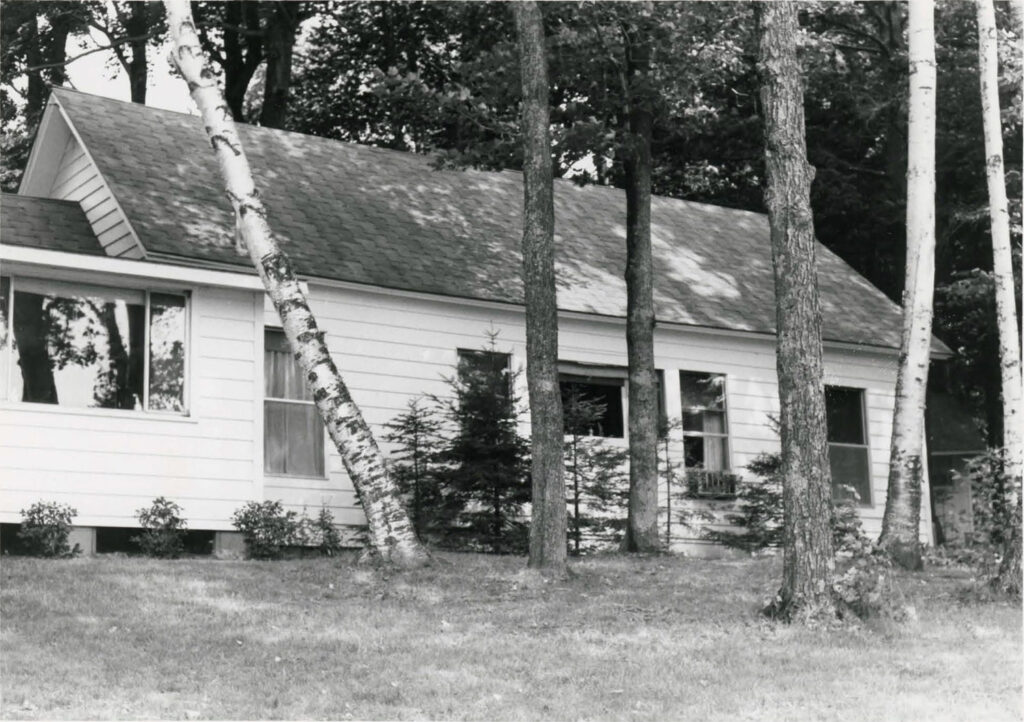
138,67
281,26
902,519
1008,576
642,516
391,534
548,520
808,559
1002,260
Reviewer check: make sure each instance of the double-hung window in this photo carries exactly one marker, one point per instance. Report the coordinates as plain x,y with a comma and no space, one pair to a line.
293,434
847,444
705,432
87,346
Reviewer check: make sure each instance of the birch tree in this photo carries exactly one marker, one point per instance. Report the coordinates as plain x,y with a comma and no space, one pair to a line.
548,515
902,518
1002,271
391,534
808,559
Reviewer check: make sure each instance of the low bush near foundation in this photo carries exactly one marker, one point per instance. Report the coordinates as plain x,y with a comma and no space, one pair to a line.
267,528
45,527
163,529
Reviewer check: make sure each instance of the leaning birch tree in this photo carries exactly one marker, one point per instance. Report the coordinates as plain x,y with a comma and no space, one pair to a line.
548,515
391,534
808,558
1002,271
902,518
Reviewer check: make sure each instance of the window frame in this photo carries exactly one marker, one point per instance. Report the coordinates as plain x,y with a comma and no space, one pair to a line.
263,406
706,434
69,285
865,429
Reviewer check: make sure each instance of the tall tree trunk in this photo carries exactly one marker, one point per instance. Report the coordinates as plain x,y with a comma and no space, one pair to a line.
808,560
642,515
1002,270
902,520
548,517
281,27
391,534
138,67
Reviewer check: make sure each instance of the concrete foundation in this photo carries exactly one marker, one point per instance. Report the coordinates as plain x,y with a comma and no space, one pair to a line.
84,537
228,545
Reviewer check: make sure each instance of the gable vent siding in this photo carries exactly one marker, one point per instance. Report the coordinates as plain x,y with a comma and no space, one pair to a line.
78,179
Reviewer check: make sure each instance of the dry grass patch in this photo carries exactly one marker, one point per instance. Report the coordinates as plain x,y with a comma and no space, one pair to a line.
477,637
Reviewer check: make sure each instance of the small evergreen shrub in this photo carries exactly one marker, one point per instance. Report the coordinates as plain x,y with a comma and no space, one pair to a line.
45,528
415,434
163,529
319,533
267,527
759,514
595,478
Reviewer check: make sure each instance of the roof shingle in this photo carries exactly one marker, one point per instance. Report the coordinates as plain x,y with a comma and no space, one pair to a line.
387,218
46,223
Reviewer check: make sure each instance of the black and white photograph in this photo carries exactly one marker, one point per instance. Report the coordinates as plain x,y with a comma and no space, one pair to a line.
510,360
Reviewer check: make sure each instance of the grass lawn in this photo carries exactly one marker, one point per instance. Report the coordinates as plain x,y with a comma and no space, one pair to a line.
474,637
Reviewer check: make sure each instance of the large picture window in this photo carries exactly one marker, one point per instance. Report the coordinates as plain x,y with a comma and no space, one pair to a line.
93,346
293,434
847,444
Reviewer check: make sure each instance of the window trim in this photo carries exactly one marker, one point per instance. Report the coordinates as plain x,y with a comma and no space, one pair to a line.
187,293
865,431
263,398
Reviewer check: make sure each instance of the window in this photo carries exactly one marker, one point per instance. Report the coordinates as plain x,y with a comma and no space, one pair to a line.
93,346
705,433
293,434
847,444
605,392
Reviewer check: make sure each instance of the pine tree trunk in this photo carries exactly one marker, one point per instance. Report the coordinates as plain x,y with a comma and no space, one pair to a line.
391,534
808,560
548,516
902,520
642,516
138,67
1002,269
282,25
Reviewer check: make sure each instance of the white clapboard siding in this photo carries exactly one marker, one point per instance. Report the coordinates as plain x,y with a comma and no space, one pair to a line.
391,348
108,464
78,179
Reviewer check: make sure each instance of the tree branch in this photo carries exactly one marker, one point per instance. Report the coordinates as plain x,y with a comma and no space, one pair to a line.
113,46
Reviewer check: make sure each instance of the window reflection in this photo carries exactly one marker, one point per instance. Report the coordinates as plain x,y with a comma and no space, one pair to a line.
86,346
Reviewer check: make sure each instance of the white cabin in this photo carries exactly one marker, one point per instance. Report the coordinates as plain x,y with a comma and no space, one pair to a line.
117,259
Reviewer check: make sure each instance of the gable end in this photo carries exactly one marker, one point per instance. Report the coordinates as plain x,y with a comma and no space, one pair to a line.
61,167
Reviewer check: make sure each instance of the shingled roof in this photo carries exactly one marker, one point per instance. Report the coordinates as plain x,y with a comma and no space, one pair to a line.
46,223
389,219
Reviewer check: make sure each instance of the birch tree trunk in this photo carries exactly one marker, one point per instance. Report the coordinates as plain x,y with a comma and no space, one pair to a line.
548,515
642,515
902,519
391,534
1002,270
808,559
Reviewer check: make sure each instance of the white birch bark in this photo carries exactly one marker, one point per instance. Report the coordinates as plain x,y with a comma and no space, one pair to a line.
902,518
390,531
1002,260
